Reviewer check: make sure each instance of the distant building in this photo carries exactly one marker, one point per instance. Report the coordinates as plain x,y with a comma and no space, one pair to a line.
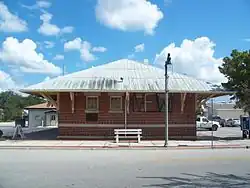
42,115
224,110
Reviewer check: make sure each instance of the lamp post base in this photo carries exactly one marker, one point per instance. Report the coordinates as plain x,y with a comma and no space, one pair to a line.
165,144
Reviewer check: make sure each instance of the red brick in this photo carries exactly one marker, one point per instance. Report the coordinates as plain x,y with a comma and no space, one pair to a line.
175,116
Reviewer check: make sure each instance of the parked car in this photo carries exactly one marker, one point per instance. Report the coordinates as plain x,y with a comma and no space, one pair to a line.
229,122
236,122
203,122
233,122
221,121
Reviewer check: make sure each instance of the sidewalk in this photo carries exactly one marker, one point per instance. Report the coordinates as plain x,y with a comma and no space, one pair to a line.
65,144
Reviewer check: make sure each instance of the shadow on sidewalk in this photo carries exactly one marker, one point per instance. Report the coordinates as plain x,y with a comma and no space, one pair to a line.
210,179
49,134
215,138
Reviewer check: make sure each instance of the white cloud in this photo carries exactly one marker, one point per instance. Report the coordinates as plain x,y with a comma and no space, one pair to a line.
247,39
6,82
43,4
129,15
59,57
46,78
167,2
195,58
49,44
10,22
84,47
50,29
99,49
38,5
73,45
85,51
139,47
67,29
146,61
23,55
131,56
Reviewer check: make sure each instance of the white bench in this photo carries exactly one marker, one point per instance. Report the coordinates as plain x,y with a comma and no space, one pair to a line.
127,133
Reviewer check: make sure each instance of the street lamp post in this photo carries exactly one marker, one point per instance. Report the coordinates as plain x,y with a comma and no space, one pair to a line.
167,62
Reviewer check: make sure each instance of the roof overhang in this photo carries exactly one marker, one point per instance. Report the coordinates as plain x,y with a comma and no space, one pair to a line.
52,91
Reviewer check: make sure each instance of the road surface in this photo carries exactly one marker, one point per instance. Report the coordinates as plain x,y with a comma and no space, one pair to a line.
124,168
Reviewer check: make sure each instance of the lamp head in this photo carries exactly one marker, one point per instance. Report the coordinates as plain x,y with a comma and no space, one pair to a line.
168,61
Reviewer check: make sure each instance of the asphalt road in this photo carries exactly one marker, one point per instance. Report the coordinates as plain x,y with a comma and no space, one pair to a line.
124,168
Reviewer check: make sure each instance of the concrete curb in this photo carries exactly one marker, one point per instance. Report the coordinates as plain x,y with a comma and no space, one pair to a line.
125,147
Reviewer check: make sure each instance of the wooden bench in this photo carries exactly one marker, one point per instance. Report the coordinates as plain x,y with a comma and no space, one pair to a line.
127,133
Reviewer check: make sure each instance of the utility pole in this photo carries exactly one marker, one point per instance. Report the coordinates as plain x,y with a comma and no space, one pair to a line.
167,62
63,70
212,106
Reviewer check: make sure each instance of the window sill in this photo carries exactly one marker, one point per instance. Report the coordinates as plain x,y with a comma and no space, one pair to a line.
115,111
91,111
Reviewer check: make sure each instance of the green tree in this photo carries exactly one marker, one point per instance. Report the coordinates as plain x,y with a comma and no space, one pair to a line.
236,69
12,104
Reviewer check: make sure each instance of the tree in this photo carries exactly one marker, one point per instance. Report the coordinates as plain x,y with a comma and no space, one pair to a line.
12,104
236,69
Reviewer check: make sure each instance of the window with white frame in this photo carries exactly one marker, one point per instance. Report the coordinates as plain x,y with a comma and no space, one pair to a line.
115,103
53,117
92,103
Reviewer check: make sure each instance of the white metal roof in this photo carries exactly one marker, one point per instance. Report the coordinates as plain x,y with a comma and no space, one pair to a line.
122,75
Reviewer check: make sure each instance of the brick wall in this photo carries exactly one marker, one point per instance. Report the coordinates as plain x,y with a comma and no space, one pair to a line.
141,118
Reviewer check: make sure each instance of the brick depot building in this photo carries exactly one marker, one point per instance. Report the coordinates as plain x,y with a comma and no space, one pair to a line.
124,94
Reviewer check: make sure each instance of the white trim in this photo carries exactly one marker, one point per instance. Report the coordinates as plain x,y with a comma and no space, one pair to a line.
115,111
92,110
110,108
92,94
128,125
220,93
115,94
147,101
58,101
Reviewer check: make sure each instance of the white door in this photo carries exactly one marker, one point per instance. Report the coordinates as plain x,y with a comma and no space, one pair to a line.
204,123
47,120
198,122
52,120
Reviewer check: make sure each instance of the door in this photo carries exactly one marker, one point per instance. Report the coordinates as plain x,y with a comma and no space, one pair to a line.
204,123
198,122
52,120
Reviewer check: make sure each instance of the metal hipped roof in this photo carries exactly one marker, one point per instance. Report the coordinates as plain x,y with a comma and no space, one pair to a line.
120,76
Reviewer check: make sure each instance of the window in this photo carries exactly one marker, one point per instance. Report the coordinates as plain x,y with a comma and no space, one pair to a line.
116,103
160,100
156,102
52,117
37,117
204,120
92,103
198,119
138,102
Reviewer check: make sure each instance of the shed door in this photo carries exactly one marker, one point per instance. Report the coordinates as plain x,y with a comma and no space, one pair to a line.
53,119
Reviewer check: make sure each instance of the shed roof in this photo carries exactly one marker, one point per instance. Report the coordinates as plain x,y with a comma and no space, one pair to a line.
120,76
41,106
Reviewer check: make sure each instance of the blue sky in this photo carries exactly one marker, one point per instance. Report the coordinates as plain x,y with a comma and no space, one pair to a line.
38,37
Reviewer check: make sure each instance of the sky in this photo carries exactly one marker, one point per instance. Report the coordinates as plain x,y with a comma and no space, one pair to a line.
42,39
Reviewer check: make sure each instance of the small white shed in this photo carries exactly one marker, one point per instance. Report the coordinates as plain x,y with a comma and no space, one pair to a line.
42,115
